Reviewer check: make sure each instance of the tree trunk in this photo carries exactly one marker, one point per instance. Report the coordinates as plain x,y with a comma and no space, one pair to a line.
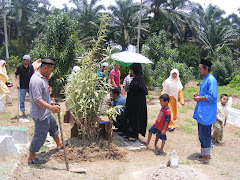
5,31
20,41
139,26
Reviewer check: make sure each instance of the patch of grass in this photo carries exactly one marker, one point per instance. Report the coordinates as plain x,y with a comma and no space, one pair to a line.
191,121
153,114
237,134
225,173
188,92
227,90
185,162
149,125
149,97
182,110
44,149
187,129
5,116
236,106
14,99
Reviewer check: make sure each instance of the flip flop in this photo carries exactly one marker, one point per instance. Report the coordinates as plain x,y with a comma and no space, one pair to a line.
198,156
200,161
37,161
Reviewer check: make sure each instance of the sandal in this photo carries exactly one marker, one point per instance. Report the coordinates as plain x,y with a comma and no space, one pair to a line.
200,161
198,156
37,161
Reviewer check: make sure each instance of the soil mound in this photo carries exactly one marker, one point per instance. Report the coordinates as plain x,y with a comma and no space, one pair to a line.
77,151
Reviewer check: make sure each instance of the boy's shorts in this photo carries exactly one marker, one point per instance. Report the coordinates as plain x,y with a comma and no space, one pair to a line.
154,130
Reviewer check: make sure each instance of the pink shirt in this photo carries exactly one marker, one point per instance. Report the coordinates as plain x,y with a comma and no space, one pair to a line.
115,76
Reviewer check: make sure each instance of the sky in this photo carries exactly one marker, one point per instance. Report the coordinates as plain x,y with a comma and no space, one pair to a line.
229,6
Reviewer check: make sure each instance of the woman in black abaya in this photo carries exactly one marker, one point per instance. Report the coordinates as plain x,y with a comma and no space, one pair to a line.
136,108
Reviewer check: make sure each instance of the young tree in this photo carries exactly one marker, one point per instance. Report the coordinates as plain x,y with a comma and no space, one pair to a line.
58,41
84,93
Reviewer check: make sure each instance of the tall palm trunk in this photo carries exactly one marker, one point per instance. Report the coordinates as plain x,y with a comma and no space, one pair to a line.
5,31
20,41
139,26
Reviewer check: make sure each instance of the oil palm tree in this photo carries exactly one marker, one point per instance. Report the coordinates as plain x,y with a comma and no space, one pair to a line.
235,24
171,16
87,15
23,16
213,29
124,22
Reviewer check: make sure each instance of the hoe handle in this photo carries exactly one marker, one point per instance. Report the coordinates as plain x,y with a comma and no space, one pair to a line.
65,154
60,124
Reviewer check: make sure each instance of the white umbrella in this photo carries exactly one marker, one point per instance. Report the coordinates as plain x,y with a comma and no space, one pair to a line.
126,58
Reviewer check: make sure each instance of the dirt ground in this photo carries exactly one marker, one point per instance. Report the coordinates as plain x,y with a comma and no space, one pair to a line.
104,160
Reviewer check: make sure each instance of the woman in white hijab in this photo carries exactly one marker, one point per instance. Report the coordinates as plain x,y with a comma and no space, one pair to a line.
173,87
3,78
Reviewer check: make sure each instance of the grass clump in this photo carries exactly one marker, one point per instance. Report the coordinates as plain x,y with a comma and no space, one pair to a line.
237,134
187,129
192,122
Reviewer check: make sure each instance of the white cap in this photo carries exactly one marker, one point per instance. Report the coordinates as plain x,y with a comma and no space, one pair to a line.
105,64
26,56
76,69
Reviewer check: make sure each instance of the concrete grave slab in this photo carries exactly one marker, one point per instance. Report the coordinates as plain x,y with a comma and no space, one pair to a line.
19,134
4,99
131,146
7,146
233,117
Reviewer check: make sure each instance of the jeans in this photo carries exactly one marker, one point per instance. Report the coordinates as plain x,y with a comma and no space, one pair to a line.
205,138
23,93
41,130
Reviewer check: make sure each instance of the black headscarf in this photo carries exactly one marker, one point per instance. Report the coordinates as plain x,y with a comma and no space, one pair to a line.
138,80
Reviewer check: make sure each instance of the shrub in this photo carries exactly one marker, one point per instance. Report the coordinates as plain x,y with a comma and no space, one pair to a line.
59,42
12,49
14,61
158,49
222,68
190,55
85,91
235,83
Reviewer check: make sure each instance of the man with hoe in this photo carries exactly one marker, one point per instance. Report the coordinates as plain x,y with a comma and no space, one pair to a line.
41,110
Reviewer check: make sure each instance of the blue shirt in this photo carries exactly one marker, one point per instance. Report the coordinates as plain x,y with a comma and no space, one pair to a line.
206,111
120,100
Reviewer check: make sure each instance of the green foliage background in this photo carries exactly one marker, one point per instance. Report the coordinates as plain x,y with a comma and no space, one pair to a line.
235,83
158,49
59,42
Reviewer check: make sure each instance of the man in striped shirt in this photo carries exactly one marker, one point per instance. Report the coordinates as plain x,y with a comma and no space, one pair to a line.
126,83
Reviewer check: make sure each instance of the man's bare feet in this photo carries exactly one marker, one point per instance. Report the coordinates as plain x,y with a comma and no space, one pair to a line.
60,146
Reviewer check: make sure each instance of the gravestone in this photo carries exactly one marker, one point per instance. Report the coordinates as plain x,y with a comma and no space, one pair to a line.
233,116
